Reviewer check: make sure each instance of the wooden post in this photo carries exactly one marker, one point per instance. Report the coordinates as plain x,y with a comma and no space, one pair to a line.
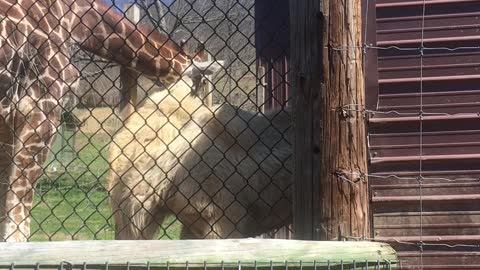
331,200
128,80
260,94
209,88
306,71
128,77
345,202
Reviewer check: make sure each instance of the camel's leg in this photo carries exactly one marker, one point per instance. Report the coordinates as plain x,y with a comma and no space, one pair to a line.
136,218
186,233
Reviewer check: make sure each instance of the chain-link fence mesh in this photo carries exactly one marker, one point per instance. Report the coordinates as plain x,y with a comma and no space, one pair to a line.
210,156
198,158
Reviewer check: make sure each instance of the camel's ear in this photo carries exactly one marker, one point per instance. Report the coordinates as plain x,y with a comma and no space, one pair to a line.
203,68
200,53
183,46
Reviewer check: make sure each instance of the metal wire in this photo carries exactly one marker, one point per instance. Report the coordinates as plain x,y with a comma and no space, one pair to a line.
366,47
420,175
425,178
419,243
361,108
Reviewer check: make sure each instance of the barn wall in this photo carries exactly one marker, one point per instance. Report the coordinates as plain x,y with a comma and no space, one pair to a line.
441,209
445,211
272,38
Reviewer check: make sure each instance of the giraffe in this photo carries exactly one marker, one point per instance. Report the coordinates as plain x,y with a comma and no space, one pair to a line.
36,75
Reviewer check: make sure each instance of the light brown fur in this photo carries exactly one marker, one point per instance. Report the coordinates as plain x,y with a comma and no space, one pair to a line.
222,171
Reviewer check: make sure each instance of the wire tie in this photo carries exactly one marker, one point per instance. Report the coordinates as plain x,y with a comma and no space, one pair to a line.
362,177
420,179
341,176
342,111
365,113
420,245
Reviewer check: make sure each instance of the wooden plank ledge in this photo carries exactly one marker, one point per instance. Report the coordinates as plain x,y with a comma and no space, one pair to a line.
261,251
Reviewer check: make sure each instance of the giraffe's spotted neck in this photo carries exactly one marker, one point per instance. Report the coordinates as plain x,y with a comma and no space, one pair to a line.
100,29
33,89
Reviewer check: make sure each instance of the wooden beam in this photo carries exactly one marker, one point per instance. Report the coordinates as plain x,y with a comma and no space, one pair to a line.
196,252
209,87
306,71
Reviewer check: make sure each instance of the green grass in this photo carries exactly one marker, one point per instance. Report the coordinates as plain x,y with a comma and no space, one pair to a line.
71,215
71,201
86,167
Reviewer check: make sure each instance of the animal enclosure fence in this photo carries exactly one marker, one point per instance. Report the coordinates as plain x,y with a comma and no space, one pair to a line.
66,197
223,146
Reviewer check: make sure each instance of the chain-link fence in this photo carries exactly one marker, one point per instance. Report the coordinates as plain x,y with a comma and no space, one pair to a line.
199,145
190,154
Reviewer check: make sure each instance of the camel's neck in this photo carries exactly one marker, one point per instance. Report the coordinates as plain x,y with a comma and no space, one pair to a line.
103,31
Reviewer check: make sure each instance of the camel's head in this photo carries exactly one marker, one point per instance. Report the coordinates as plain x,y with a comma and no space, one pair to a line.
194,76
198,71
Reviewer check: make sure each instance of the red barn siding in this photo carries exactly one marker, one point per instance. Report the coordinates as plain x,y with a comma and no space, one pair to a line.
272,39
450,210
451,141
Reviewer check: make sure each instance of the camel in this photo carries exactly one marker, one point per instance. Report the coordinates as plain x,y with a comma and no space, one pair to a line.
224,172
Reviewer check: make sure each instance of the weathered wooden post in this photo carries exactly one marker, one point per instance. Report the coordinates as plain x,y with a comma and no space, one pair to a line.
128,77
330,144
306,69
128,80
